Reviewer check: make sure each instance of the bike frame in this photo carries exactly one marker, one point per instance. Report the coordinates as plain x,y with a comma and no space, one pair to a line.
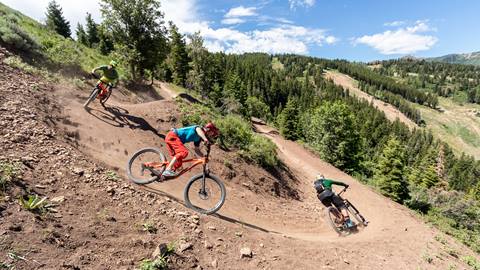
195,162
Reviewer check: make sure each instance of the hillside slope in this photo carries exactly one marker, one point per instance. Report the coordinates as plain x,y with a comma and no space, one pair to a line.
349,83
458,125
460,58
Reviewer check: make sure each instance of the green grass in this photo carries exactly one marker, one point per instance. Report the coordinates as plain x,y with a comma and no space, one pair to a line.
33,203
59,51
457,125
112,176
8,172
160,262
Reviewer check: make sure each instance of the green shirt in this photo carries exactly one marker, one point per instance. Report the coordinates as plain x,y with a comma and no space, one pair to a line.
110,73
327,183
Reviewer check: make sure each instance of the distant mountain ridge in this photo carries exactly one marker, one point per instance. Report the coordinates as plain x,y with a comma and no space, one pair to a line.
460,58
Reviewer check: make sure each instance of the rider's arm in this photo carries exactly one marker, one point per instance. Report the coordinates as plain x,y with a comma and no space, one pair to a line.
200,133
339,183
99,68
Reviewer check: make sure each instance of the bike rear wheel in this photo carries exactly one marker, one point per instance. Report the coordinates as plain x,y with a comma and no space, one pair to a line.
334,217
92,96
356,214
204,197
136,171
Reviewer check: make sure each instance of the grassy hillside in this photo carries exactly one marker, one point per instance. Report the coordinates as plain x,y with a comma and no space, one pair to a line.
464,58
456,124
42,47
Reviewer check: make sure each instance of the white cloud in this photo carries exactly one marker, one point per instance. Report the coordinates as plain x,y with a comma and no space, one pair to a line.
241,11
284,38
394,23
74,11
405,40
232,21
301,3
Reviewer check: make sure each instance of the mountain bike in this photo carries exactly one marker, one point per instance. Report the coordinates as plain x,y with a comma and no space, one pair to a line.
102,91
338,221
204,192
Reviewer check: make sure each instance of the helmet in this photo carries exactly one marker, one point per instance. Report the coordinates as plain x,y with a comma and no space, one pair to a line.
319,177
211,130
113,63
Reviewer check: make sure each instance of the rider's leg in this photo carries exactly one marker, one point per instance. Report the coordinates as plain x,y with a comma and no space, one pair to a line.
338,202
176,149
170,165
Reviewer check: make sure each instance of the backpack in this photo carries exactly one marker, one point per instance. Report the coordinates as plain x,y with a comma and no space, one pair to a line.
318,186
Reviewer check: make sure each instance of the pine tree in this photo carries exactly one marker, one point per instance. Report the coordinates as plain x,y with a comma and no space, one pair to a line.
333,132
288,120
200,66
178,58
234,88
389,174
56,21
81,35
92,31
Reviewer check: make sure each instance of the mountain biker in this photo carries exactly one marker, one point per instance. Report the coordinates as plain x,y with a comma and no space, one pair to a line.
177,137
110,75
327,196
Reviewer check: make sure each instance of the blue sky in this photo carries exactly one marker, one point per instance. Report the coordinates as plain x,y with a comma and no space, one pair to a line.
354,30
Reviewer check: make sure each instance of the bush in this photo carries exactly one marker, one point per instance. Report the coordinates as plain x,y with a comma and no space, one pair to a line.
235,132
62,51
13,36
195,114
256,108
418,200
261,151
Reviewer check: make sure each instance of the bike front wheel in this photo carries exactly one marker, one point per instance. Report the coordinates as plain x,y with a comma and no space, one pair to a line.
92,96
204,193
138,172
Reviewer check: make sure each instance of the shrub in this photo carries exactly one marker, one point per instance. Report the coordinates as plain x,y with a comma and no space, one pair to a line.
418,199
235,132
13,36
257,108
195,114
62,51
261,151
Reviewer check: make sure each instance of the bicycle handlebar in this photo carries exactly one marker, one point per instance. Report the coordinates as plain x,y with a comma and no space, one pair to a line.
343,190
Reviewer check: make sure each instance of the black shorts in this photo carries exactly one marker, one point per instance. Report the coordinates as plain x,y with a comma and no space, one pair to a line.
327,197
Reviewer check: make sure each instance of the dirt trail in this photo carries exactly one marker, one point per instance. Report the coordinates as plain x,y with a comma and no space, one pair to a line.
390,111
395,238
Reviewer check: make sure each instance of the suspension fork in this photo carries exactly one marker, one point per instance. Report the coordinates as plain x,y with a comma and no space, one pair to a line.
203,190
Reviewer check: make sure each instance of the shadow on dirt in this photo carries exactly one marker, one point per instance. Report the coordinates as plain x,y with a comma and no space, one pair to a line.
119,117
220,216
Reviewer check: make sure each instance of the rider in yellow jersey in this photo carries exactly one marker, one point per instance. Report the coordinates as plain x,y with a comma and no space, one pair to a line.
110,74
